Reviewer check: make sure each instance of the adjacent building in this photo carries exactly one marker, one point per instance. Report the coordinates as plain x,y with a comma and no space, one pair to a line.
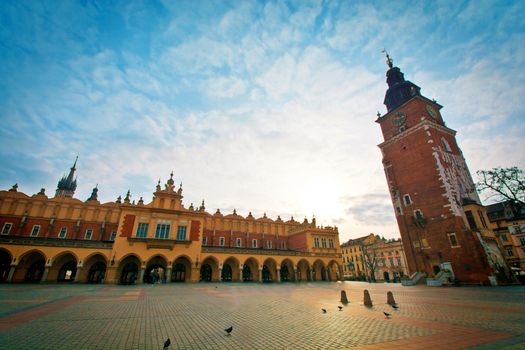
64,239
432,189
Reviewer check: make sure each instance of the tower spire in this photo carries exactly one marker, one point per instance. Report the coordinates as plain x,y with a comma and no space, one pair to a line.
67,185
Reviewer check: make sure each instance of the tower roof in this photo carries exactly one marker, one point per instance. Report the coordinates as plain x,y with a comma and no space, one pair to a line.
68,184
399,90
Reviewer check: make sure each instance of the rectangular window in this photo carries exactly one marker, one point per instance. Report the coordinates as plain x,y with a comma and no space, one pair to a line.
522,240
6,228
482,218
407,199
221,241
470,219
35,230
509,251
323,241
331,243
162,231
113,235
142,230
89,233
181,233
391,261
453,240
238,242
63,232
398,261
254,243
504,237
269,244
316,242
204,240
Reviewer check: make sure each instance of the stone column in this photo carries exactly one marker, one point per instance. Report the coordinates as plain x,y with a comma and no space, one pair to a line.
44,275
325,272
168,275
220,274
140,280
295,274
260,274
278,274
110,277
11,273
311,274
77,274
240,272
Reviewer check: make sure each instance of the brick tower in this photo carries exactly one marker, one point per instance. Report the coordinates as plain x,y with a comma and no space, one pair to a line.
429,184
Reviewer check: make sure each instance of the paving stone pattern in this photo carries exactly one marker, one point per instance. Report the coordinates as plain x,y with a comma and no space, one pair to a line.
263,316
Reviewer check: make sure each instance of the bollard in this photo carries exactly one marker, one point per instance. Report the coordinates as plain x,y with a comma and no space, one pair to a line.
344,299
367,300
390,299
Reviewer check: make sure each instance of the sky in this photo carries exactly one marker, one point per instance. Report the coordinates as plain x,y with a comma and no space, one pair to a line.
261,106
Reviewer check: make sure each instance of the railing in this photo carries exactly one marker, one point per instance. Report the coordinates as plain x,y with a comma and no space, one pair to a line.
263,251
55,242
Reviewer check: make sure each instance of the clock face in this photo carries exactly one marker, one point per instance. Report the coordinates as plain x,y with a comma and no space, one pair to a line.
431,111
399,119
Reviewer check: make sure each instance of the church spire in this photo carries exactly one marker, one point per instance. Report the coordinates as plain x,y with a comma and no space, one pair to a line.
67,185
399,90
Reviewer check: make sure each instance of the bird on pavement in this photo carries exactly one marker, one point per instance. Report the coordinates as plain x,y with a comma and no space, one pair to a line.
229,330
340,308
167,343
387,315
395,306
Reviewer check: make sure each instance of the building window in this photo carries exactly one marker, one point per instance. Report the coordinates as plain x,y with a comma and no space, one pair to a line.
204,239
162,231
407,199
254,243
470,219
316,242
113,235
323,242
482,218
418,214
35,230
453,240
142,230
331,243
391,261
6,228
89,233
269,244
238,242
446,146
181,233
63,232
398,261
221,241
504,237
509,251
522,240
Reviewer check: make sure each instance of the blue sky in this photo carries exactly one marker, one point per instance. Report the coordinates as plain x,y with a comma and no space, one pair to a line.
259,106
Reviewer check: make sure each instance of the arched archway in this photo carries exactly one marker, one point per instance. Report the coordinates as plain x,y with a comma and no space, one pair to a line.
64,267
318,271
209,270
94,269
269,271
250,270
5,264
334,271
230,270
129,270
303,270
31,267
155,270
287,272
181,271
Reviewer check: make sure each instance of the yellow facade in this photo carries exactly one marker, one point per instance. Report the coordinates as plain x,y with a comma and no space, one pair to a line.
64,239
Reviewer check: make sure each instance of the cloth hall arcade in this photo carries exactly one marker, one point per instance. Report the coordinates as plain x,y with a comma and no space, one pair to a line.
63,239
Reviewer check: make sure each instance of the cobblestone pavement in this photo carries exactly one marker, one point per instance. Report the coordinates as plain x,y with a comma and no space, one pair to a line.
263,316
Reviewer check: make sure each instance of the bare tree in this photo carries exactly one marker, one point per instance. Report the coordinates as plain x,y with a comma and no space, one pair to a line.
503,183
370,258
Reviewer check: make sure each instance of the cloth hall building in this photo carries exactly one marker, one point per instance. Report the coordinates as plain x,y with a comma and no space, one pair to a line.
63,239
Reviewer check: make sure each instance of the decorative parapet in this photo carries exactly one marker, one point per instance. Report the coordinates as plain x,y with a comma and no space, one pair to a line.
261,251
56,242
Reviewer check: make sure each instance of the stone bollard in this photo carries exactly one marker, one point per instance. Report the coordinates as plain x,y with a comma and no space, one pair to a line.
367,300
390,299
344,299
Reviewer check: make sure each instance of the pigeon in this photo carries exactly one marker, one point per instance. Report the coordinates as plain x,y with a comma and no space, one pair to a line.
387,315
395,306
229,330
340,308
324,311
167,343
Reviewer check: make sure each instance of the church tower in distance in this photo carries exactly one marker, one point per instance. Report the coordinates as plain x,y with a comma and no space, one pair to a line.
430,185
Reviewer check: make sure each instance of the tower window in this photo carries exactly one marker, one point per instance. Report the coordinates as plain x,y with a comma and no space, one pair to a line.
453,240
418,214
6,228
407,199
446,146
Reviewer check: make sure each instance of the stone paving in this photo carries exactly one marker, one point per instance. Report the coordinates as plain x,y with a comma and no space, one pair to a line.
263,316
